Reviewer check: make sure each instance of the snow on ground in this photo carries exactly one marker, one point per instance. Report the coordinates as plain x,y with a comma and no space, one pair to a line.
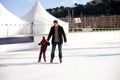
99,60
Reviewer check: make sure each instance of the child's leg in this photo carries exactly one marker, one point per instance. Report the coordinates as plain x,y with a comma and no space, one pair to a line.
44,56
39,59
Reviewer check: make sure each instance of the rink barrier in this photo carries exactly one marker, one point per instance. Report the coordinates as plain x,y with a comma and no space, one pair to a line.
72,40
16,40
16,43
92,29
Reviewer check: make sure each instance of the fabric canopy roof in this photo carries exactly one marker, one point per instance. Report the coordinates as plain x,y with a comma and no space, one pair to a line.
7,17
39,15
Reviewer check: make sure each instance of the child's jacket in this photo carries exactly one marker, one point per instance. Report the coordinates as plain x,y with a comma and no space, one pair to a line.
44,45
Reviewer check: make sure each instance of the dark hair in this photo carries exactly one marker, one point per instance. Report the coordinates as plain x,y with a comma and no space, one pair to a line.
55,21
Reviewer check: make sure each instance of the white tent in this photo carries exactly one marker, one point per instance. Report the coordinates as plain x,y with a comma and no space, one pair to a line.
12,25
42,20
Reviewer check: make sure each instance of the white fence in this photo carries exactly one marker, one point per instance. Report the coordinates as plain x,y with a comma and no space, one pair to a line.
15,29
92,29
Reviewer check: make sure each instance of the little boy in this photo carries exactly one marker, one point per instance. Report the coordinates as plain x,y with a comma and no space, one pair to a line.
43,49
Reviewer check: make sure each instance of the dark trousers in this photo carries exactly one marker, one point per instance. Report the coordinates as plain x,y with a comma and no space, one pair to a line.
40,55
53,50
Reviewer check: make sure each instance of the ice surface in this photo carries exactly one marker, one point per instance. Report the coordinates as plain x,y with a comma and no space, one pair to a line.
97,60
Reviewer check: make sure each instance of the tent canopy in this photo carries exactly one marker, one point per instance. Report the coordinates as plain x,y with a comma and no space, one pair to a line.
38,15
11,25
7,17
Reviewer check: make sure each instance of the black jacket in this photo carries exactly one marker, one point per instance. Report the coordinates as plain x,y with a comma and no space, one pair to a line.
60,32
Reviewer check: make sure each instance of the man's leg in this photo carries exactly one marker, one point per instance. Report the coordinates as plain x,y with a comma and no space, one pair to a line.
53,52
60,52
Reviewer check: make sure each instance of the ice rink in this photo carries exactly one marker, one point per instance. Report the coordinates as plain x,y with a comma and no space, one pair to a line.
95,60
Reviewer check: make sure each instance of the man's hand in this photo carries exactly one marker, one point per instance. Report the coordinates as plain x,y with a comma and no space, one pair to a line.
65,41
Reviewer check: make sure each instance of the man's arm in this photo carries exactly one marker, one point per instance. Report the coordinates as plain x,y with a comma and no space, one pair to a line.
64,35
50,34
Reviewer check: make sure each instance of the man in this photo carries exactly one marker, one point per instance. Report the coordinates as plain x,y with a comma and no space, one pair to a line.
57,33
